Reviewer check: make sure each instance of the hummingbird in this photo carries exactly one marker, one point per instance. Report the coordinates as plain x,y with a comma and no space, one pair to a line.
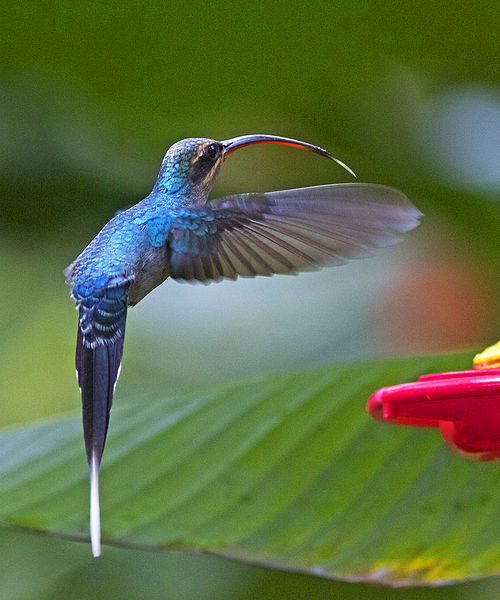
177,232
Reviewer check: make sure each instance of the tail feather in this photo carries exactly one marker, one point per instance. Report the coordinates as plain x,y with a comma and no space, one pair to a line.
98,369
99,349
95,510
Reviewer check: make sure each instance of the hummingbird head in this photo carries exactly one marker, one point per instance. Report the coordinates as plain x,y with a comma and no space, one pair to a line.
190,166
189,169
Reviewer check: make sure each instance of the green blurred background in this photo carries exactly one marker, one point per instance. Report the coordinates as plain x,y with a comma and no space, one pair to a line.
407,93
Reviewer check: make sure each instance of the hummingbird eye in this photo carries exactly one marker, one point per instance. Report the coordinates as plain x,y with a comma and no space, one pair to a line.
212,151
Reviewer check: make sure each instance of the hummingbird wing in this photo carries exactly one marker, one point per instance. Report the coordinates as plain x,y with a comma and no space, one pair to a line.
286,231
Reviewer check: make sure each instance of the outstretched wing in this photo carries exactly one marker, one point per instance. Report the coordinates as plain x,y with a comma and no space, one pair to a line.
286,231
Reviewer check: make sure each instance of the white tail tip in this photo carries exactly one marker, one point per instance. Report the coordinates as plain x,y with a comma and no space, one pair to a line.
95,511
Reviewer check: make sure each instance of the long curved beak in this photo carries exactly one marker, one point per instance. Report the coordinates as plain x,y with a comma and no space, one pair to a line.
241,141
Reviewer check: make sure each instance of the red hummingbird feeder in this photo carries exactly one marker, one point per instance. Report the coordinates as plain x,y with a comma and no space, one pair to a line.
465,405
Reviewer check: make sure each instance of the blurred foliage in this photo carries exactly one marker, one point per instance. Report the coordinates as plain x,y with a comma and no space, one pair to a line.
285,471
91,96
61,570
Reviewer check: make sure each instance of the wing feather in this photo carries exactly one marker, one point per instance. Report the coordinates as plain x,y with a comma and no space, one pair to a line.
286,231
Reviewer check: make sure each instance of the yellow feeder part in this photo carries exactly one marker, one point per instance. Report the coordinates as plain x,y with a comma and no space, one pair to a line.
489,358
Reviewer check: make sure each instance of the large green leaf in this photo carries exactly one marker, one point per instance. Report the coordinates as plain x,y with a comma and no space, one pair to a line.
287,470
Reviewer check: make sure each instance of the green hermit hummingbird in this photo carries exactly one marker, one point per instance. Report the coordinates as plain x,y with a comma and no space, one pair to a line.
177,232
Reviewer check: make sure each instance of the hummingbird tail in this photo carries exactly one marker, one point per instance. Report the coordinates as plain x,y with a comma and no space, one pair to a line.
98,369
98,361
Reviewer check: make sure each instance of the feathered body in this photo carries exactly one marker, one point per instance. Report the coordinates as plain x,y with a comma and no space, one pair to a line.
175,233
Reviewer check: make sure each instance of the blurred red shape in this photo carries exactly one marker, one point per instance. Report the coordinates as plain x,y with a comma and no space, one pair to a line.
465,405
